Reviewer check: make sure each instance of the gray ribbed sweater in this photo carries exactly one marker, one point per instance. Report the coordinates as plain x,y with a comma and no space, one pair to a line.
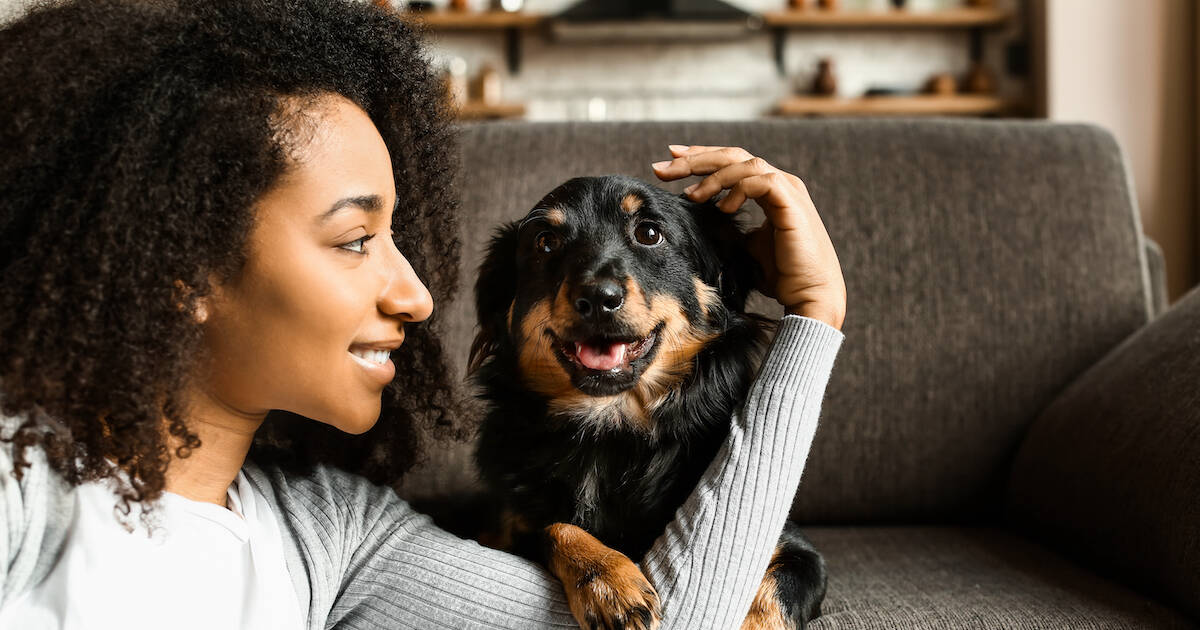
360,557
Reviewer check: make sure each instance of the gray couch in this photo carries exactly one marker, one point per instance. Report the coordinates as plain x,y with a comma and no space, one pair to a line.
1011,436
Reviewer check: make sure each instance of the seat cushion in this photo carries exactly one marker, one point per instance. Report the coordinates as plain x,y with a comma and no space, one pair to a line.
957,577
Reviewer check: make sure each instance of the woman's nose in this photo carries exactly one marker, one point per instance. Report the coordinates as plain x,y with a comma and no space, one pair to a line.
405,296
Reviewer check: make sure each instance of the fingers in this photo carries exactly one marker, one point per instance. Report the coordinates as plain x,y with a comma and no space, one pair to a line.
783,204
782,196
698,160
727,177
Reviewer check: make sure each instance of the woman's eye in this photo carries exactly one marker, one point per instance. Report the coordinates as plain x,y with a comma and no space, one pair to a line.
648,234
357,245
546,242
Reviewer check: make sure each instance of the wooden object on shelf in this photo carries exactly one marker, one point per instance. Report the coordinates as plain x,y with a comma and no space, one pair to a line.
460,5
828,5
918,105
487,85
963,17
943,84
979,80
475,110
798,5
825,84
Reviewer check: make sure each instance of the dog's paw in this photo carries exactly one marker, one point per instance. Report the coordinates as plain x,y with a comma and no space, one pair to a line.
605,589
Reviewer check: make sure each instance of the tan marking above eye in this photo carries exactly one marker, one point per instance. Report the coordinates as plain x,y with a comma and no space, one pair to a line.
555,216
631,203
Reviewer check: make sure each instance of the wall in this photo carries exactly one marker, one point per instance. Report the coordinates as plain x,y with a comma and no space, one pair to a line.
733,79
1130,67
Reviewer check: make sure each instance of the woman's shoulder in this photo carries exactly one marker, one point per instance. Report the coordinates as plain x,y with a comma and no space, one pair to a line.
324,492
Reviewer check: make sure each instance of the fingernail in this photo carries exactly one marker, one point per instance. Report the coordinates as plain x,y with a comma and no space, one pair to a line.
660,165
678,147
689,189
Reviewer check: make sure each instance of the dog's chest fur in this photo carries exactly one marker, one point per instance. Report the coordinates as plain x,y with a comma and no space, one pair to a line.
617,487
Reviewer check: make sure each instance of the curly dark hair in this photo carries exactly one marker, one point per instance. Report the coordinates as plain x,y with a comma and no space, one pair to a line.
138,136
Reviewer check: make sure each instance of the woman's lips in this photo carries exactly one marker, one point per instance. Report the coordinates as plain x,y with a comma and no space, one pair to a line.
375,362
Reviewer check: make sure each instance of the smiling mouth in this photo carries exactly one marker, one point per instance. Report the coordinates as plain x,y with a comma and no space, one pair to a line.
603,365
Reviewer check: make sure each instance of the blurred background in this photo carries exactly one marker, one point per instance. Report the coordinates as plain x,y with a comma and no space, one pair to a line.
1128,66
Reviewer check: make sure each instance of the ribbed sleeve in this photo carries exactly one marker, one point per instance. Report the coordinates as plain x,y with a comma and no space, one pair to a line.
367,560
709,562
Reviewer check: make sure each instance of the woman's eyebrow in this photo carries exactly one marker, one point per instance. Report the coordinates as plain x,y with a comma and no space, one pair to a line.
369,203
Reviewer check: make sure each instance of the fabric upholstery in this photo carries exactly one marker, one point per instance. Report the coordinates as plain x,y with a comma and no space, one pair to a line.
1157,268
926,578
1111,472
987,263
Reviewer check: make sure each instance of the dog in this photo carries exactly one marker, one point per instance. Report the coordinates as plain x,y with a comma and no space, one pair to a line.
612,351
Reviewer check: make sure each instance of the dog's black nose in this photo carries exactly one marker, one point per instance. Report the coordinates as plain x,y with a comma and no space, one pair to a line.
601,297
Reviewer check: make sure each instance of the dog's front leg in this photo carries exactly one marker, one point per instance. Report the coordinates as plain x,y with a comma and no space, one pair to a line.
605,589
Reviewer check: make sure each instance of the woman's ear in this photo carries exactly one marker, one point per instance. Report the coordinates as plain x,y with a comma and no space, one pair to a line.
495,289
185,301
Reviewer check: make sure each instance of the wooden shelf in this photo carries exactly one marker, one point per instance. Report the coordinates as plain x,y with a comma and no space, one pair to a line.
475,20
474,110
511,24
965,17
916,105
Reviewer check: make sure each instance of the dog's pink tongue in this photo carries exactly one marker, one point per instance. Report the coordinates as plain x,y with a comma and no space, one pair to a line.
604,357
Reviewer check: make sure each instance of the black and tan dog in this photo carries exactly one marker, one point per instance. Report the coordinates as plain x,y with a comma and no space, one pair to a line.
613,350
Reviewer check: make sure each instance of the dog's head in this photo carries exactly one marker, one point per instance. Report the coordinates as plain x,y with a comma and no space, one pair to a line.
603,295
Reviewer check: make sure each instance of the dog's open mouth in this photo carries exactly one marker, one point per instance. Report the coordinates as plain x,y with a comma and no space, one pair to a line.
604,365
605,355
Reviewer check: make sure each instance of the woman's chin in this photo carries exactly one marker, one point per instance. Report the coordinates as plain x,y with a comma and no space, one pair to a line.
354,421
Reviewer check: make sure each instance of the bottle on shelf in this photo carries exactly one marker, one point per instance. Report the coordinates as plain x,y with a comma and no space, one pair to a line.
825,83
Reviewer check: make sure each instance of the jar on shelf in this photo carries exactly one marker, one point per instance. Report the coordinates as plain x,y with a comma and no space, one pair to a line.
489,84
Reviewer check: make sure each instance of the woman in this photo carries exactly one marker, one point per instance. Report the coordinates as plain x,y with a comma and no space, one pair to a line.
218,220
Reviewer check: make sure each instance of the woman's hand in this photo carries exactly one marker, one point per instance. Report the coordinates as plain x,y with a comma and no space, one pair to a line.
802,270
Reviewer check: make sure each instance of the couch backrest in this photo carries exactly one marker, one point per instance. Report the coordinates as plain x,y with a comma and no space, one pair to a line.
987,264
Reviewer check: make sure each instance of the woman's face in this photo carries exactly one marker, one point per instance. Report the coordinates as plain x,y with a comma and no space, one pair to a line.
325,294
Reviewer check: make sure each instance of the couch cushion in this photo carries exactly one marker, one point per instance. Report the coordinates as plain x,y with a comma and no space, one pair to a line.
897,578
987,264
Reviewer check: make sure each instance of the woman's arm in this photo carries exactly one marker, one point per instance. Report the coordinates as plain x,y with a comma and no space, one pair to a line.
374,563
709,562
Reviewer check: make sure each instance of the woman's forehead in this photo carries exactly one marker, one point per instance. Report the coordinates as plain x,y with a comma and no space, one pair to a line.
341,155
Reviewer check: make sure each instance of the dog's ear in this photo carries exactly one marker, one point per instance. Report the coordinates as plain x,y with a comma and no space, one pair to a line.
733,269
495,288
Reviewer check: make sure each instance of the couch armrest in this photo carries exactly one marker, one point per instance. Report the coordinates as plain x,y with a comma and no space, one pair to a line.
1110,473
1158,277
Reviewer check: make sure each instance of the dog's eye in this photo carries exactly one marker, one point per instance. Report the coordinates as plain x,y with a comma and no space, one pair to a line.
647,233
546,242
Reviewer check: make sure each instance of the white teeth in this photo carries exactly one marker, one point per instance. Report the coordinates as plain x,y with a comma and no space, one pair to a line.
375,357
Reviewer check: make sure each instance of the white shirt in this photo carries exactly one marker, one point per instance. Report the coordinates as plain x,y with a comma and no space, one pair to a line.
202,566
